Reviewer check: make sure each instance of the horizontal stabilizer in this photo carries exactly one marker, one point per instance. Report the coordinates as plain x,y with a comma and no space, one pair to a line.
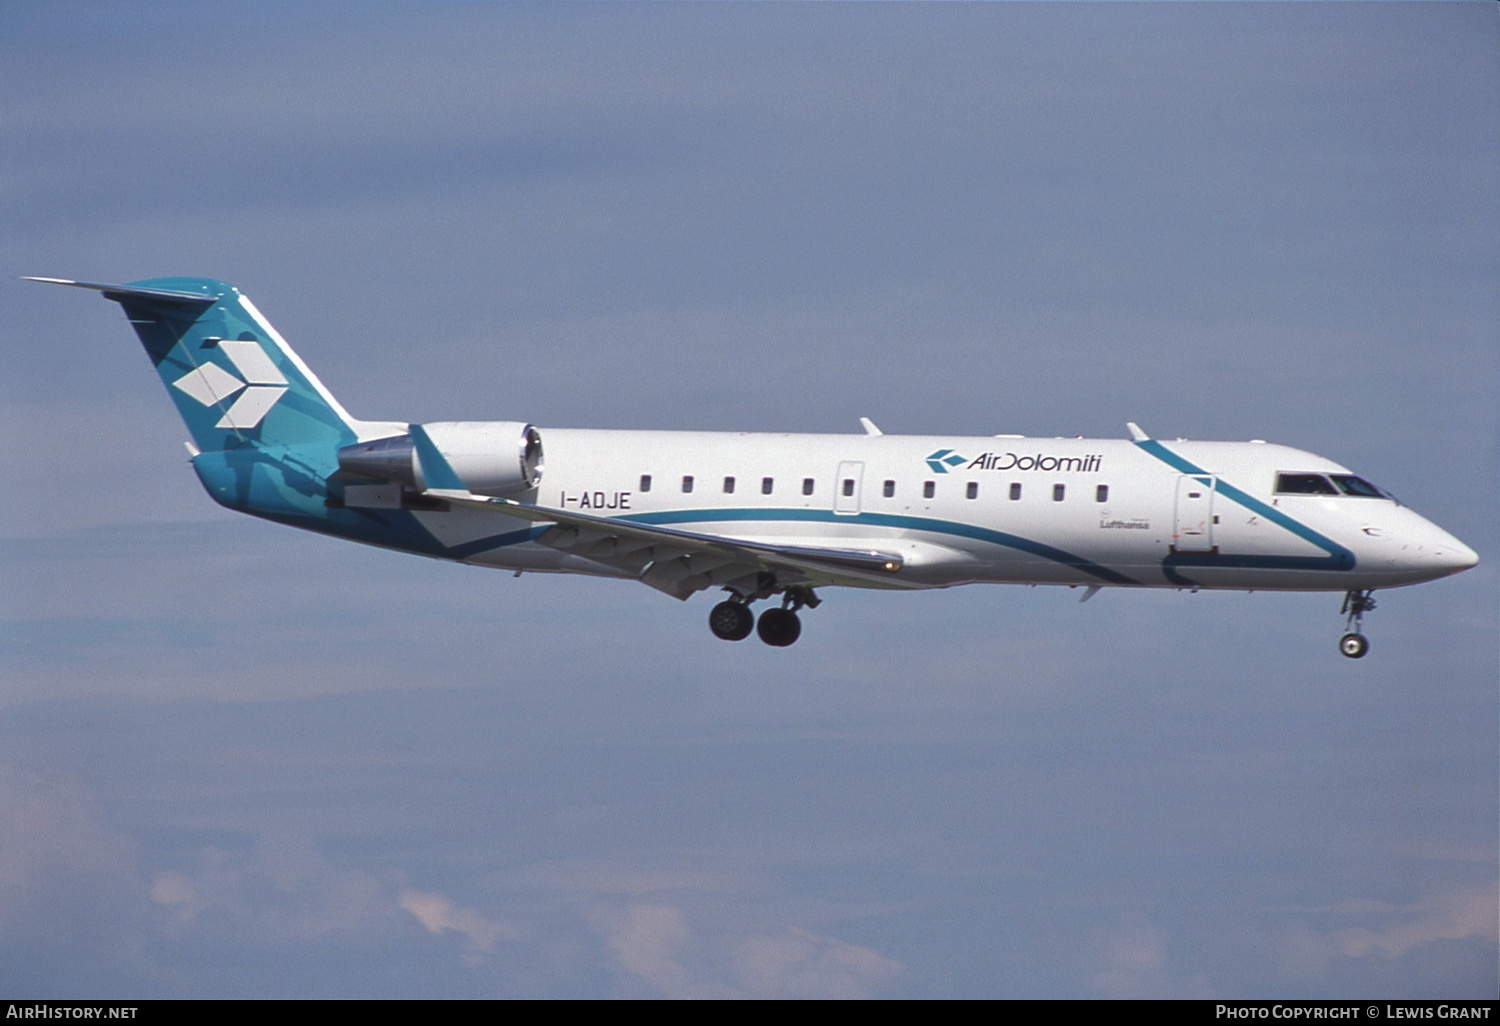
116,291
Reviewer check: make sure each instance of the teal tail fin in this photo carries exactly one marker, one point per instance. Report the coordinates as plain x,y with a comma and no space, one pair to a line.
234,380
265,432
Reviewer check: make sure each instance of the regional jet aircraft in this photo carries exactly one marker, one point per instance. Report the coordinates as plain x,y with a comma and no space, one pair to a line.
762,516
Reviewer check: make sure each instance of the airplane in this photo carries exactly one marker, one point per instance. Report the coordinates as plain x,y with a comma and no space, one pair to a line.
761,515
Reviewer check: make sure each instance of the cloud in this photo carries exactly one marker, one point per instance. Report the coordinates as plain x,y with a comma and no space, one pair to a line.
1133,964
700,932
1460,914
52,830
646,939
800,964
655,943
437,913
1403,934
73,917
281,890
178,894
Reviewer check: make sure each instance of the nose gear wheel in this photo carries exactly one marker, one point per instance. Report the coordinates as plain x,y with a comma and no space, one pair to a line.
1357,602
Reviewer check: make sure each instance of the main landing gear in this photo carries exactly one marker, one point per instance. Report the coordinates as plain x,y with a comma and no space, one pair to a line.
731,620
1357,603
777,627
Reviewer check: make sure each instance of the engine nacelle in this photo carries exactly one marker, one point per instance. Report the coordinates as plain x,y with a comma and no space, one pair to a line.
489,457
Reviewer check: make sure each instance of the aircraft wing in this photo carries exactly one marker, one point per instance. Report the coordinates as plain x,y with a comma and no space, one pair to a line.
683,562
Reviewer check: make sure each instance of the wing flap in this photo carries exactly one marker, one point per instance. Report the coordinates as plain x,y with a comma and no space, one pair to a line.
680,562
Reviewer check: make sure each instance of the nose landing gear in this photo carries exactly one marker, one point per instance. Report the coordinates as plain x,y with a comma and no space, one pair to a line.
732,619
1357,603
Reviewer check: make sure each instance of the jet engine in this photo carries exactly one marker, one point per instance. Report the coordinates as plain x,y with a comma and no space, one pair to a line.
489,457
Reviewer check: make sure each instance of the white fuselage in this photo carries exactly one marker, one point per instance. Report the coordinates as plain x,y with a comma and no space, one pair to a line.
766,515
1000,509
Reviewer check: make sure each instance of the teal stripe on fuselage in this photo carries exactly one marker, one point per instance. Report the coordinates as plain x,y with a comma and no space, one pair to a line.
498,541
1339,558
950,527
814,516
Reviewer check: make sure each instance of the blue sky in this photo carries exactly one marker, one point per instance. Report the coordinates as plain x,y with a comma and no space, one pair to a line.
242,761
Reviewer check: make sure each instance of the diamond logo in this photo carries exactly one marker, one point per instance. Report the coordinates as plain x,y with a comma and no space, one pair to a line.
941,460
209,384
261,387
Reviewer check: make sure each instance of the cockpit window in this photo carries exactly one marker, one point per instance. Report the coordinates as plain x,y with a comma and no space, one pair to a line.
1351,485
1304,484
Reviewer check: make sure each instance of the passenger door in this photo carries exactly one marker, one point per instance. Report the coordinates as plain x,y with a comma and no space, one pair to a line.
1194,531
846,488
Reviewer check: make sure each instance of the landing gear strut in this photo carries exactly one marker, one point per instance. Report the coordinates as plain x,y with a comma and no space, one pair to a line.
1357,603
732,619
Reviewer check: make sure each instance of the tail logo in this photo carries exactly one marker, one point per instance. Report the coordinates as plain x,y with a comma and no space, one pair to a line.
258,386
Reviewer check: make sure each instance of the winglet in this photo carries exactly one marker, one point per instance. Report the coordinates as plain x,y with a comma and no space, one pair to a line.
1136,433
869,426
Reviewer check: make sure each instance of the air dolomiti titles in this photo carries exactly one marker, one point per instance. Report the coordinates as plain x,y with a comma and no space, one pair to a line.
1011,461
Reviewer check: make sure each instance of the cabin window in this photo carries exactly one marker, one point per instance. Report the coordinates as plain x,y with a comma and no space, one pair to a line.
1015,490
1059,492
766,484
929,489
1304,484
807,486
848,486
645,482
889,489
1101,494
687,482
729,486
972,491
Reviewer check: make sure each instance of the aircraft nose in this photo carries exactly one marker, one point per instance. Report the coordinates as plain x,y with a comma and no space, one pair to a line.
1455,556
1425,548
1446,554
